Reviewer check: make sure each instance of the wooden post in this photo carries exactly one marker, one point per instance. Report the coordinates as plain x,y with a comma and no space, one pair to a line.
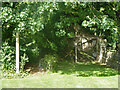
0,36
76,47
17,52
101,51
81,45
97,49
75,54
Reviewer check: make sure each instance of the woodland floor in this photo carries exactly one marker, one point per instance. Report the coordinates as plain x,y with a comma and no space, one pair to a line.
68,75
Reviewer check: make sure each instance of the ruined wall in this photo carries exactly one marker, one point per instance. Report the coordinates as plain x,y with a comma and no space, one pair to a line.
87,48
97,48
113,59
94,46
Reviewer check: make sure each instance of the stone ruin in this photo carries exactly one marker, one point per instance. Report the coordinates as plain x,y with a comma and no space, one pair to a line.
95,47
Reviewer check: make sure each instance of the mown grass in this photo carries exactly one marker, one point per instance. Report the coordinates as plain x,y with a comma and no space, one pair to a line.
68,75
84,69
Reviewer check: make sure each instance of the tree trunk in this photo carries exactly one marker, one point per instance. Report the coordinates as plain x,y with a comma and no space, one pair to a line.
17,52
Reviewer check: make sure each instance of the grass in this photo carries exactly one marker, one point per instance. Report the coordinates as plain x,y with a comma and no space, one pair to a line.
84,69
68,75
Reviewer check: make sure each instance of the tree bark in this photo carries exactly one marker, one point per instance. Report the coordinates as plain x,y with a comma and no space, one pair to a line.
17,52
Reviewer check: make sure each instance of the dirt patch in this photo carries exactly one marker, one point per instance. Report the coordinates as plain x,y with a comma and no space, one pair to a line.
33,68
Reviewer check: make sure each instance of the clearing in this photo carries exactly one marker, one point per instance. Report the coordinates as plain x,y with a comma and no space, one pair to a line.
68,75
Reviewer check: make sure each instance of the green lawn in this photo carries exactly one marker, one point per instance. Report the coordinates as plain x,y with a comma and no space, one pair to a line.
68,75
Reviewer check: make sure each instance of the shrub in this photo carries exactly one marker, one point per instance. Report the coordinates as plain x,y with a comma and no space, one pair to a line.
8,58
48,61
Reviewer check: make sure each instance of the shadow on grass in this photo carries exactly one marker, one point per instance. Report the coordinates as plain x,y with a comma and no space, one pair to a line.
83,69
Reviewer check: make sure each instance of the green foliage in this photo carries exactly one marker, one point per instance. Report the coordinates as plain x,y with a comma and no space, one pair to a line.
8,58
71,35
9,75
24,59
107,28
104,22
49,61
45,27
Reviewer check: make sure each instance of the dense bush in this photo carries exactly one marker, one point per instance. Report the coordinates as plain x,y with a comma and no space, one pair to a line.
45,28
8,58
49,61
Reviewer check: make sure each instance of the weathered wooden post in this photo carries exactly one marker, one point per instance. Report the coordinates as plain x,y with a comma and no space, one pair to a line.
97,49
17,52
101,52
75,27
